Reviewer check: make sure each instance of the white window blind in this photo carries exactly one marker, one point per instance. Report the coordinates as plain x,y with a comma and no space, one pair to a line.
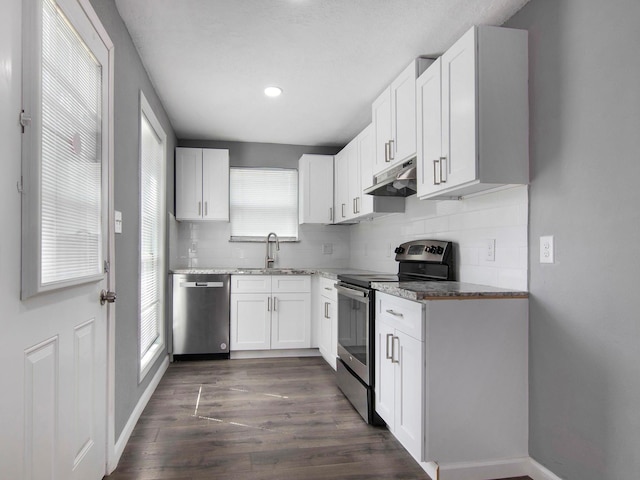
152,191
262,201
71,194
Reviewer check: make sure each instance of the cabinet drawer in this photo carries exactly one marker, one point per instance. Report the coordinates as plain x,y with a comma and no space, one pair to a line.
328,288
401,314
250,283
291,283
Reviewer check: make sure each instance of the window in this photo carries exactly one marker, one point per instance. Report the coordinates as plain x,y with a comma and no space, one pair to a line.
65,122
263,201
152,237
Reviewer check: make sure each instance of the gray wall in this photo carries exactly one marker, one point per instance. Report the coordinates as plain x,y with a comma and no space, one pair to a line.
130,78
584,309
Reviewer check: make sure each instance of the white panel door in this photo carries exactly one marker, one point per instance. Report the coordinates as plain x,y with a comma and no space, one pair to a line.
366,159
353,167
385,374
381,118
459,117
215,184
341,186
250,321
291,321
403,119
188,183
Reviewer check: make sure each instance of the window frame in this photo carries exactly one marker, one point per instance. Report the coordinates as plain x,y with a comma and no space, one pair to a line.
147,359
31,120
259,238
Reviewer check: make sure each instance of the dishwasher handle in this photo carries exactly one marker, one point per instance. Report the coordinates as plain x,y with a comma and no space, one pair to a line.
202,284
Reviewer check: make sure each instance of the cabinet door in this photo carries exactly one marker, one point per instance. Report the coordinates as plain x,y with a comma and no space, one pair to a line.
291,283
385,374
403,115
430,170
342,186
355,192
381,118
408,421
188,183
291,321
459,107
366,158
215,184
315,189
250,321
328,341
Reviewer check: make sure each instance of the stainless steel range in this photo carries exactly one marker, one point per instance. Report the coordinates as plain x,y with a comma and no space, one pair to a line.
417,260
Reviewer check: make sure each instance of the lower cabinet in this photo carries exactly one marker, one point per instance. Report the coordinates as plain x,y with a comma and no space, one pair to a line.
327,315
452,381
270,312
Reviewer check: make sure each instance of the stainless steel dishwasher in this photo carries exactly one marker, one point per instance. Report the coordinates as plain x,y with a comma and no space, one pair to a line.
201,315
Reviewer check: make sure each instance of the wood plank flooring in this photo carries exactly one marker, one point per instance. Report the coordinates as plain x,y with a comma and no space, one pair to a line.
263,419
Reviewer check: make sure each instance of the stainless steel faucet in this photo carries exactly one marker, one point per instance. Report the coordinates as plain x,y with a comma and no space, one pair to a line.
268,259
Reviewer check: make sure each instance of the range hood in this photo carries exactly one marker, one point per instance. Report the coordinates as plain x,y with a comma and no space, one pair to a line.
399,181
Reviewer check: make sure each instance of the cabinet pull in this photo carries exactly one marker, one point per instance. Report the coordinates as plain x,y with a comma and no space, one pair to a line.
391,155
268,304
386,152
275,304
353,207
343,210
357,204
328,288
443,177
395,314
331,214
206,209
393,350
326,309
389,357
199,208
435,163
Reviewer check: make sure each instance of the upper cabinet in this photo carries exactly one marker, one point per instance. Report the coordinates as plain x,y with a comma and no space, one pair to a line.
315,189
202,184
472,115
394,119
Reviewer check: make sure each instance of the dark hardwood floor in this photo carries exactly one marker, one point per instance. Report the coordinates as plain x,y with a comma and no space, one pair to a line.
267,419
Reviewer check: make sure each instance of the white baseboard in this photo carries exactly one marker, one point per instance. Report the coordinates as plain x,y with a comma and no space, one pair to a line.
294,352
512,467
538,472
121,443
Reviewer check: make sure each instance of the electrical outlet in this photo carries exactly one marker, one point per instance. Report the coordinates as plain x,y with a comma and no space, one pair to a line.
546,249
118,221
327,248
490,250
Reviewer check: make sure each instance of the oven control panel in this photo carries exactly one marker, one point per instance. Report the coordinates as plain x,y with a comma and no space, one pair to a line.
432,251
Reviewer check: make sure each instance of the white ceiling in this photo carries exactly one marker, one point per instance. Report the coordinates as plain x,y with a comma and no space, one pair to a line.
210,60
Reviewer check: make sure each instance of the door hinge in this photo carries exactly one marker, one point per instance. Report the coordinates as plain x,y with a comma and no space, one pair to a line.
107,266
25,120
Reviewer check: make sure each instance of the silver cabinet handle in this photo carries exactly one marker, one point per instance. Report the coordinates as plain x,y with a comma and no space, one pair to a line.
268,304
389,356
343,205
391,155
443,177
331,214
199,208
275,304
435,164
358,202
206,209
393,350
395,314
386,152
327,288
326,309
353,207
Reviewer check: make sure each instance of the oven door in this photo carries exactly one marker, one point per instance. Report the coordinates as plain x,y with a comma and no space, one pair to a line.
354,340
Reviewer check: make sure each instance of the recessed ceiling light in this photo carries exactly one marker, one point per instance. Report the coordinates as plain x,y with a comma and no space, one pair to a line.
272,91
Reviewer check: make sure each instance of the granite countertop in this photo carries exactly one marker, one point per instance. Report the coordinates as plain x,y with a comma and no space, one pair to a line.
419,291
331,273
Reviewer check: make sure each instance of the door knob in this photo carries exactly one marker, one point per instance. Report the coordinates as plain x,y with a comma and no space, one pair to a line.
107,297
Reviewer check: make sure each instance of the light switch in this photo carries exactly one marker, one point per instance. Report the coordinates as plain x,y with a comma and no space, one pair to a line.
118,221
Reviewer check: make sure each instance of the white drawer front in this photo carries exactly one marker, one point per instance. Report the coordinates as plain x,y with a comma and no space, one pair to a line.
328,288
400,313
291,283
250,283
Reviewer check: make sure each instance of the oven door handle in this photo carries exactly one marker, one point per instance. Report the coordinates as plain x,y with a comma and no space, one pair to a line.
351,293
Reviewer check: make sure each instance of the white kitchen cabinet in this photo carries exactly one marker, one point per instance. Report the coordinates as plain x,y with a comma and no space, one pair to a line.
345,164
394,118
452,380
327,306
270,312
472,115
202,184
315,189
399,369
